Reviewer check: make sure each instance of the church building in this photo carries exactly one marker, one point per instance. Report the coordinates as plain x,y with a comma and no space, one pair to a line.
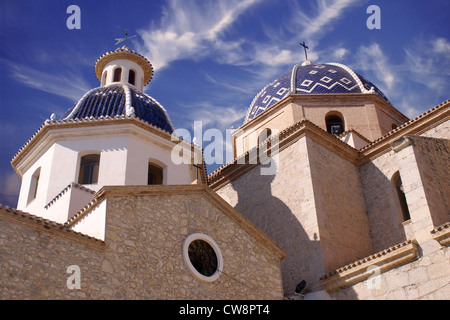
332,194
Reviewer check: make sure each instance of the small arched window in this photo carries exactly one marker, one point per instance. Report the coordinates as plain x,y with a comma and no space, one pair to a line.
155,174
34,184
400,194
335,124
117,74
105,74
131,77
89,167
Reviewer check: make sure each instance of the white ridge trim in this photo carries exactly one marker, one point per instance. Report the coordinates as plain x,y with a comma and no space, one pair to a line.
353,74
129,110
294,79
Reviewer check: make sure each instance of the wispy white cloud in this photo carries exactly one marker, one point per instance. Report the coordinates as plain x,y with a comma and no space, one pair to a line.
375,65
275,56
408,106
210,114
197,30
191,29
214,116
340,53
441,45
425,65
315,24
68,84
373,59
428,63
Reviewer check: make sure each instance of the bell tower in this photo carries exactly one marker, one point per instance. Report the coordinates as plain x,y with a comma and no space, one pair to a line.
123,66
114,135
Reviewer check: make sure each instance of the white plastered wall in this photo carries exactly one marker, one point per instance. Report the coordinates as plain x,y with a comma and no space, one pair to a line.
125,152
93,224
42,159
126,65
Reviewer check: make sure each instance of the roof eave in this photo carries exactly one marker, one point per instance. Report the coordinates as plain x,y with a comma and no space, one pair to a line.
50,125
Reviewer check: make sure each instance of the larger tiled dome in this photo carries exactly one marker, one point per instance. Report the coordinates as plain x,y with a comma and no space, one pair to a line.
308,78
120,100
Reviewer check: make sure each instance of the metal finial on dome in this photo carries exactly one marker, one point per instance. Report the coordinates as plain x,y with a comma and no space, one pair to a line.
306,62
119,40
305,47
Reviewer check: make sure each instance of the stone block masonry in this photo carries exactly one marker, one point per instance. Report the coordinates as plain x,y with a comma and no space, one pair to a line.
313,200
141,257
427,278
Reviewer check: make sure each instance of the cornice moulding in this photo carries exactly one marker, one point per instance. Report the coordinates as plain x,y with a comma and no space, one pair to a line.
442,234
50,131
361,270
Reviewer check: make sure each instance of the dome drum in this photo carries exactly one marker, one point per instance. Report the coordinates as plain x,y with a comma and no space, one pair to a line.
127,54
123,72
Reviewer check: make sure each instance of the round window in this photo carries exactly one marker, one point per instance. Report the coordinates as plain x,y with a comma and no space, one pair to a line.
203,257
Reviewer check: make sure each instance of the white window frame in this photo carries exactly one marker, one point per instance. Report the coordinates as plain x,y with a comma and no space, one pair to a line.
213,244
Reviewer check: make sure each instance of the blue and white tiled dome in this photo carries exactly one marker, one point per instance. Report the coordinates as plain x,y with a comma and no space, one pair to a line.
120,100
308,78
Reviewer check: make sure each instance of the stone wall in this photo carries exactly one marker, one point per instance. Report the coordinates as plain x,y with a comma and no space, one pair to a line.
141,257
441,131
282,206
426,278
423,169
341,212
385,222
423,163
313,208
433,158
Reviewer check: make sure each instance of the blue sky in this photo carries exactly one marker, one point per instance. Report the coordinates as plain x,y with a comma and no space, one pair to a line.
210,57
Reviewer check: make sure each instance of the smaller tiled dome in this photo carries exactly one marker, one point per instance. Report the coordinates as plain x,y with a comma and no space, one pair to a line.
308,78
120,100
